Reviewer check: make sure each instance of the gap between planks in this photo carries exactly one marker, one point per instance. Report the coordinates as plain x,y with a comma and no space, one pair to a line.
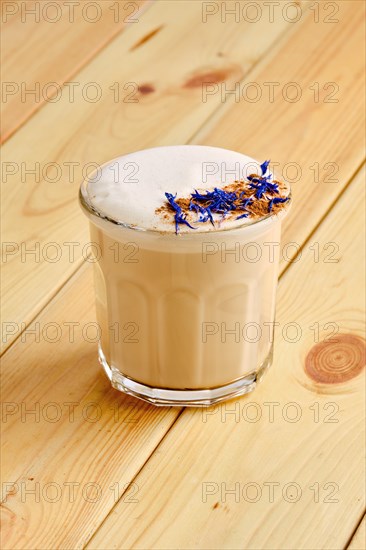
357,540
325,215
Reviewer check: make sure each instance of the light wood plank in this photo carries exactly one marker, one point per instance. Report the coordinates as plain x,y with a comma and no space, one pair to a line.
358,541
47,445
73,35
81,132
41,445
82,431
214,450
309,134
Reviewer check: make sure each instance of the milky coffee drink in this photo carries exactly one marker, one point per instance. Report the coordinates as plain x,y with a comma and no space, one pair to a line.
187,252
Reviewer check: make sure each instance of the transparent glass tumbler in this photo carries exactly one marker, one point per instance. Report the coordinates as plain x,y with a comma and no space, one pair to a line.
188,319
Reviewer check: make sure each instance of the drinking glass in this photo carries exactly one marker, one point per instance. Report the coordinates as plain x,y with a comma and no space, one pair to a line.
184,319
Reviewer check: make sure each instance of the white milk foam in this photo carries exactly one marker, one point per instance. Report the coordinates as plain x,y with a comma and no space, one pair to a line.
130,188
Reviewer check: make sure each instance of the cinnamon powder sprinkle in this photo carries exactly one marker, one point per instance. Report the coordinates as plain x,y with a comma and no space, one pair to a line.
253,199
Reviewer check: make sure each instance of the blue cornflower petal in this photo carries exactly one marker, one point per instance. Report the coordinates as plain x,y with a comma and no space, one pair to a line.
180,218
276,200
264,166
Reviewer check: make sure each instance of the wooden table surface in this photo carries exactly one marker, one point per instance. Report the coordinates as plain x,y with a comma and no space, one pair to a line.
86,466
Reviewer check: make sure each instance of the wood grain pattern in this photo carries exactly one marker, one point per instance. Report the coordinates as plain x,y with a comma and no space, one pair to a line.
73,35
42,212
75,435
317,143
358,541
84,440
311,450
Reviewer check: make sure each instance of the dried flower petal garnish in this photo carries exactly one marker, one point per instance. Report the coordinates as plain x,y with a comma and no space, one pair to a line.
264,166
263,184
255,198
276,200
180,216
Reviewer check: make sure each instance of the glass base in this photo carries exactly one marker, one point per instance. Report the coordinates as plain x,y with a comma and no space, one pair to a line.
187,398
